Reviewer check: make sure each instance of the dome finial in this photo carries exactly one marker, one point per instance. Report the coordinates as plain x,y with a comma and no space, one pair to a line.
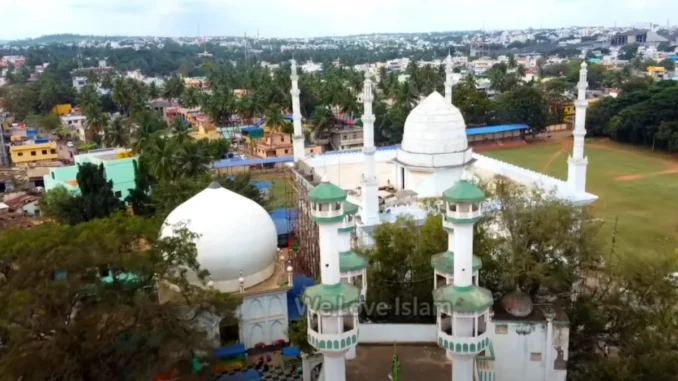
325,178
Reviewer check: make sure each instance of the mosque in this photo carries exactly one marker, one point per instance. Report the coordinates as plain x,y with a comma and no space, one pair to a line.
508,341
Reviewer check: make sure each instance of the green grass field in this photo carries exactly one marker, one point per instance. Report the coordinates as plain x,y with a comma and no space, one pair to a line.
630,185
282,194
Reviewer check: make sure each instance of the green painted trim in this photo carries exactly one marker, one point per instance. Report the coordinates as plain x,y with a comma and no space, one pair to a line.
351,261
350,208
346,230
326,193
467,299
464,192
327,220
325,297
462,221
444,262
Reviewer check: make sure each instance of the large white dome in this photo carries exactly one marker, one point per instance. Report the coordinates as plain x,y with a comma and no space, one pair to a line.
434,136
434,127
235,234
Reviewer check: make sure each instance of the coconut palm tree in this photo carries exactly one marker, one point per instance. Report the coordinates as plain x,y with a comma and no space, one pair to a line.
180,130
406,96
148,125
116,134
173,88
190,97
153,92
161,154
95,124
219,105
323,120
274,117
192,160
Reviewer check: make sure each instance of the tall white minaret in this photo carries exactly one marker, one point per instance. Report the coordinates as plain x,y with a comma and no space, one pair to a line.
370,207
463,309
298,137
331,306
448,78
576,170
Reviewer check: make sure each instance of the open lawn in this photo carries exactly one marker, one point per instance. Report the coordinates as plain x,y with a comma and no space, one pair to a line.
635,185
282,193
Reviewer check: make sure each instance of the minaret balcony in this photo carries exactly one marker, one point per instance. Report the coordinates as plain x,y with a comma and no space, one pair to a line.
463,333
332,313
443,269
461,214
348,222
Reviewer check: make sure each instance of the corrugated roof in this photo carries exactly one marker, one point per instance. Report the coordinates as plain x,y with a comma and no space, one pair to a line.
495,129
237,162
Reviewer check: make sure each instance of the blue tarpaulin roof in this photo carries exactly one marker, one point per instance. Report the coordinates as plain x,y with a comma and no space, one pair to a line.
280,220
251,129
295,307
262,185
495,129
291,352
231,350
237,162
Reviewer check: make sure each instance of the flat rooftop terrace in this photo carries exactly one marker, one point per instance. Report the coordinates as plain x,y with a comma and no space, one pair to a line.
417,363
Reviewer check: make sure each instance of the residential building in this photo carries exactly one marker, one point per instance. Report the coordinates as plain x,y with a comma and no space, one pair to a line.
33,151
347,137
274,144
76,124
118,164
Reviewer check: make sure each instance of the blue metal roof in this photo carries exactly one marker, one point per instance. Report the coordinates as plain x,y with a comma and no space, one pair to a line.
237,162
495,129
262,185
251,129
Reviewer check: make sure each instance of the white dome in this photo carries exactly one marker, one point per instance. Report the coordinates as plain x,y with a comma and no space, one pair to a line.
235,234
434,127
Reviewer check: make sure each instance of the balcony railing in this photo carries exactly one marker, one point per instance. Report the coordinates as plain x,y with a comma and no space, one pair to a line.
333,341
464,345
484,365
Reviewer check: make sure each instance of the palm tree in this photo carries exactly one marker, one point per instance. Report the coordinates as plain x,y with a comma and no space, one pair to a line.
192,160
153,92
148,125
219,105
161,154
95,124
512,62
180,130
88,100
349,106
406,96
116,134
274,117
173,88
323,120
190,98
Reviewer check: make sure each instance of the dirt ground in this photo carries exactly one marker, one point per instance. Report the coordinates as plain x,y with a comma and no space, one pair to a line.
417,363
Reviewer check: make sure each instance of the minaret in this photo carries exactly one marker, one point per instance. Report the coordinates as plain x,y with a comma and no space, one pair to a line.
332,306
463,308
576,169
448,78
370,207
298,137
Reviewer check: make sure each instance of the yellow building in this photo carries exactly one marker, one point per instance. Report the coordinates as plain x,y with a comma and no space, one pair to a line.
62,109
32,153
656,71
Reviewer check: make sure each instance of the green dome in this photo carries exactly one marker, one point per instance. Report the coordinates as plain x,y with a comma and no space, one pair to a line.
444,262
327,192
324,297
464,192
463,299
351,261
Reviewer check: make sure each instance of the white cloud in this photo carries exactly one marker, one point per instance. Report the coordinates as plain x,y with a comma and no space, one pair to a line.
306,18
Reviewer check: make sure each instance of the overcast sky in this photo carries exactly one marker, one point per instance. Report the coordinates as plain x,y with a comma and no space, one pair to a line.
309,18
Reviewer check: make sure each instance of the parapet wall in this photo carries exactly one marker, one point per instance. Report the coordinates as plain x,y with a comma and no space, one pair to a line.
400,333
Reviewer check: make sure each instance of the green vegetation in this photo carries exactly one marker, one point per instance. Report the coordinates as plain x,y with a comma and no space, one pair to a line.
645,207
59,313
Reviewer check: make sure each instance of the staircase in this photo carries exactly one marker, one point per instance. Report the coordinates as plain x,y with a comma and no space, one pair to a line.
484,365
